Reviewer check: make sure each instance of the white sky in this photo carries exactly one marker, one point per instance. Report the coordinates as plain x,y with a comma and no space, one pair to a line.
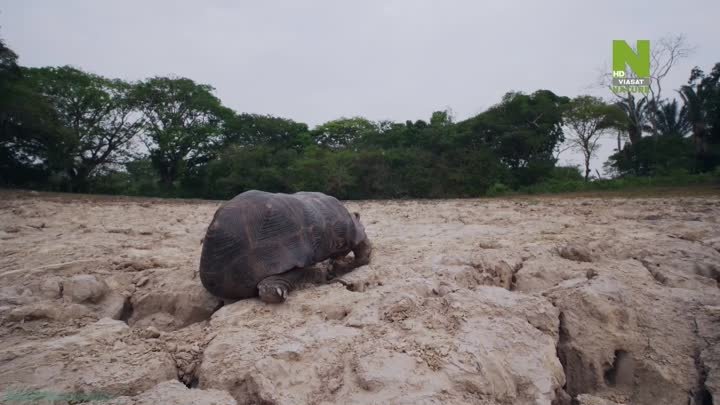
314,61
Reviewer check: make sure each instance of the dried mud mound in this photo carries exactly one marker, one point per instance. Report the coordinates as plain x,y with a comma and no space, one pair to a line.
537,301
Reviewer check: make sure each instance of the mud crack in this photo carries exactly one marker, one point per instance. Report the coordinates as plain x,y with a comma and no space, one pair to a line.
702,395
513,279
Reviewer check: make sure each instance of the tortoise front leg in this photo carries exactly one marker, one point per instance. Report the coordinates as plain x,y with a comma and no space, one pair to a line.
362,253
275,289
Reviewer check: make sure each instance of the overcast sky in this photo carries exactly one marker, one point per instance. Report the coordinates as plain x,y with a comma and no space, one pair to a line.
314,61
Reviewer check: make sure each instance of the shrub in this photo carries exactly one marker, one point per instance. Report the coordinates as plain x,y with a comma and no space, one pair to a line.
498,189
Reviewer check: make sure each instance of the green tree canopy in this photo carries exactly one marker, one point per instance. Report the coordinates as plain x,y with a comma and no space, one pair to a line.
183,124
522,131
343,132
8,63
702,100
24,122
255,129
62,128
587,118
94,120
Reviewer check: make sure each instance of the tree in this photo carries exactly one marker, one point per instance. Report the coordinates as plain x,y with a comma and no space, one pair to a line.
652,156
279,133
666,52
241,168
182,124
27,124
670,119
667,150
323,170
8,63
636,117
702,99
95,121
441,118
587,118
522,131
343,132
9,76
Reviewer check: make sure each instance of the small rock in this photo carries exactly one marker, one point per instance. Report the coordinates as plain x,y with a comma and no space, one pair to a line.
183,356
52,288
444,289
84,287
113,305
142,281
575,253
151,332
188,368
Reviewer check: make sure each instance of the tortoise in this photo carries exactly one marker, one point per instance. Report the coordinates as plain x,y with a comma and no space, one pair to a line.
264,244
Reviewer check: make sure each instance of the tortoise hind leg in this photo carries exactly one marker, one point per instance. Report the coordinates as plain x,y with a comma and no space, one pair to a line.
275,289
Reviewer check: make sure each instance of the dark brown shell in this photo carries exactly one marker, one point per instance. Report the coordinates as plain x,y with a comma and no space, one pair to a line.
259,234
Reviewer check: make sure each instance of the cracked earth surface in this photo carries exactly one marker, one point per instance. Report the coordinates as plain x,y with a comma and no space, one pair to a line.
521,301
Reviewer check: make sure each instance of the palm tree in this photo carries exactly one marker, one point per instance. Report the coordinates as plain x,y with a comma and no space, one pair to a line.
637,115
669,119
696,116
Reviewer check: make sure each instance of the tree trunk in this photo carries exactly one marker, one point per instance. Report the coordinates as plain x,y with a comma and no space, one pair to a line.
701,146
167,170
634,134
587,167
166,179
79,181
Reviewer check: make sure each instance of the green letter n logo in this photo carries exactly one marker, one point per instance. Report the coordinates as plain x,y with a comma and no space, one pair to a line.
639,62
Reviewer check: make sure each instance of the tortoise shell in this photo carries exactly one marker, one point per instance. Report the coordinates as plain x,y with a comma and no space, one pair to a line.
259,234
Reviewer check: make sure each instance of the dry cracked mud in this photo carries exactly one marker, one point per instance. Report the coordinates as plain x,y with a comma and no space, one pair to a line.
594,301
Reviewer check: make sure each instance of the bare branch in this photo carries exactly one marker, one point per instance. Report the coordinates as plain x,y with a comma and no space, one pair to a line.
665,53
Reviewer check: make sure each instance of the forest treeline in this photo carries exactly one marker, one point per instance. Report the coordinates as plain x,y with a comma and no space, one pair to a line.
64,129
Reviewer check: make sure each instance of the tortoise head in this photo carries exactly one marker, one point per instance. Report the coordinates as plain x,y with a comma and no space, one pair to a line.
359,229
